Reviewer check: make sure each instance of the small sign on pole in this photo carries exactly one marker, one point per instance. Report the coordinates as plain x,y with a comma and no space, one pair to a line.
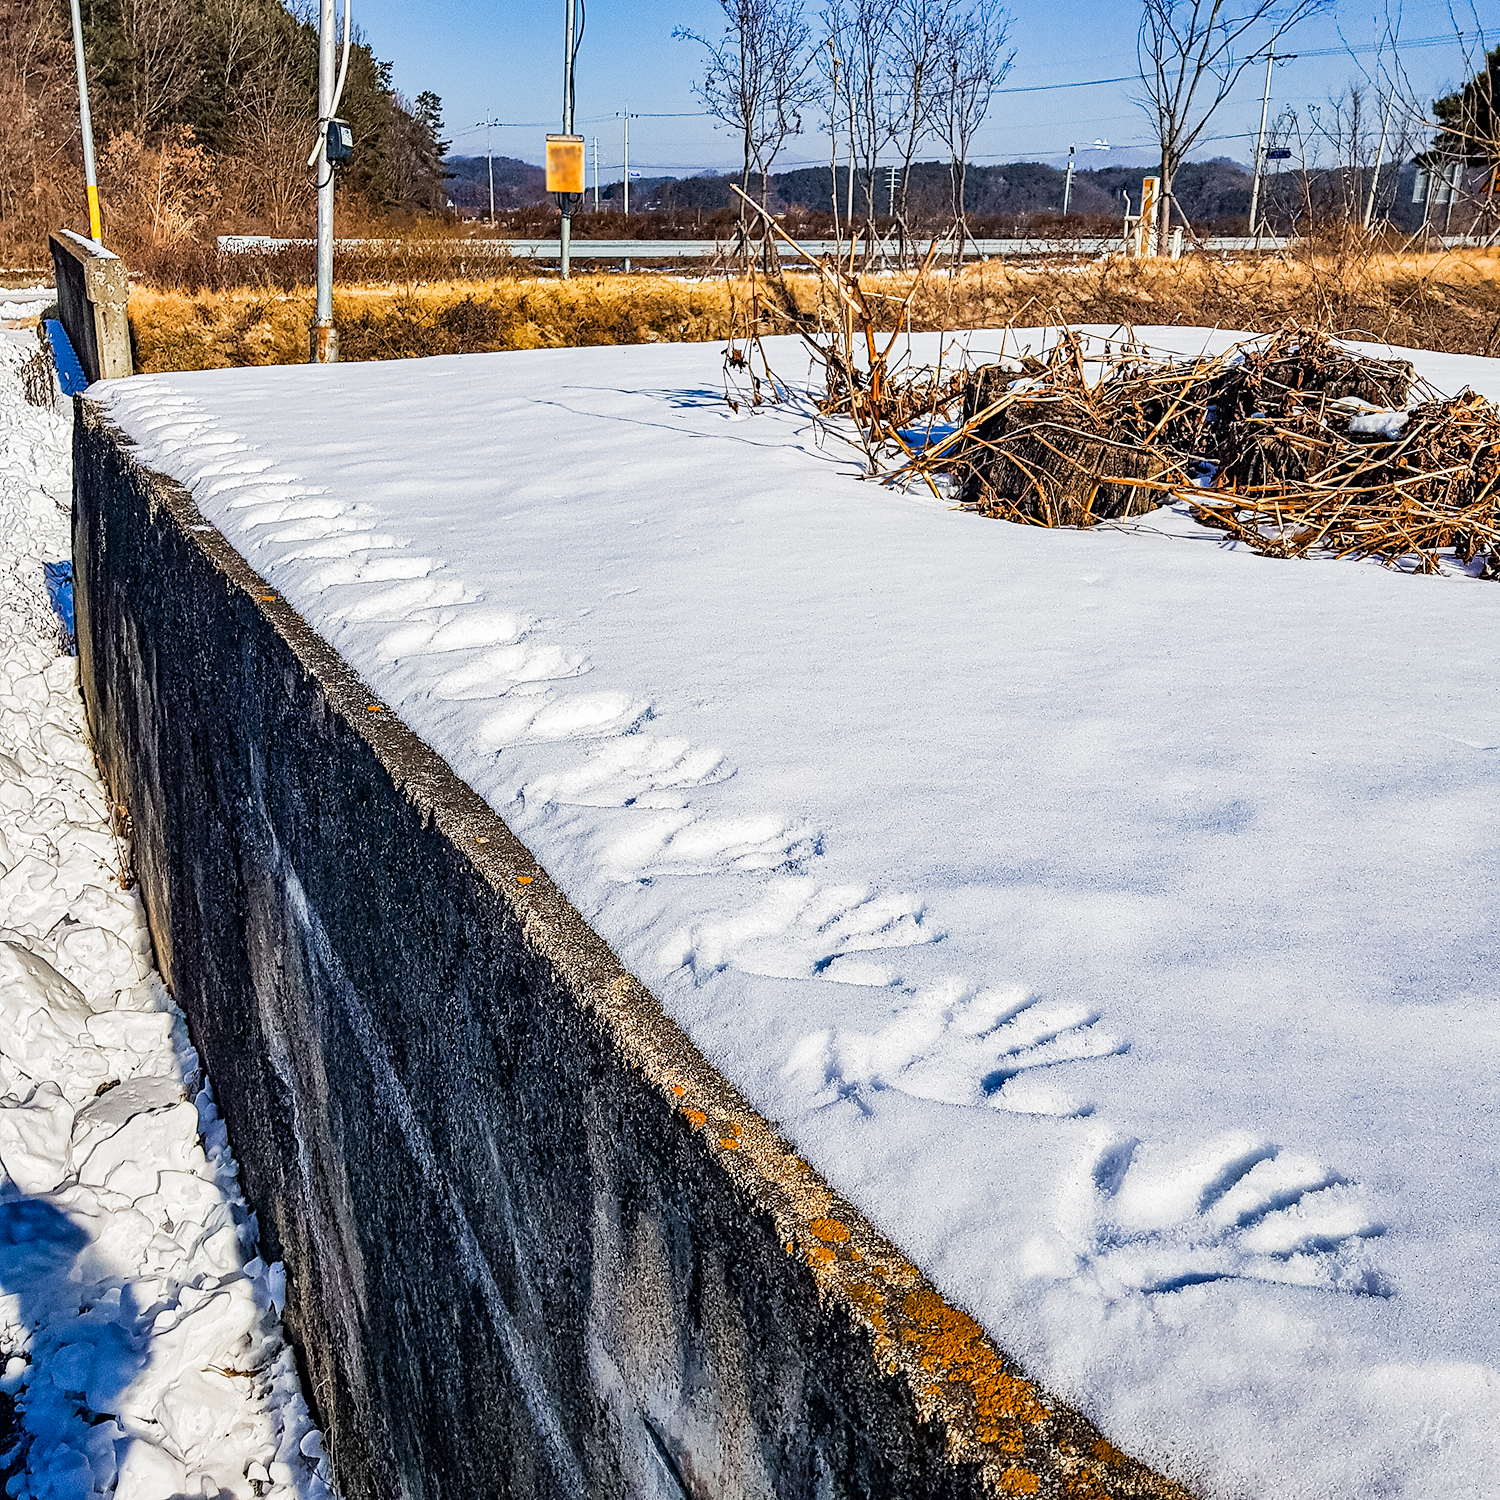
565,164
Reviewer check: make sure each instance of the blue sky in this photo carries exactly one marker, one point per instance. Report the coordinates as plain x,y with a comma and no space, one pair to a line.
505,58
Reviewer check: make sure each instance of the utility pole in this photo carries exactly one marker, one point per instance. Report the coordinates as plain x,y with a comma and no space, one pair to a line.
1068,183
569,49
86,126
1260,140
1379,161
891,171
325,339
596,174
626,172
487,122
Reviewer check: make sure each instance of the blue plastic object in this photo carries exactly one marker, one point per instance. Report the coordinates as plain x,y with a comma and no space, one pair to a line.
59,576
70,374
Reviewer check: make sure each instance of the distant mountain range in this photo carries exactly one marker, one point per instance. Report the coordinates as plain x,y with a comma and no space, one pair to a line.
1211,193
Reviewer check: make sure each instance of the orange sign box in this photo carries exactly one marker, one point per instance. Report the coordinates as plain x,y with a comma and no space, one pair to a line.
564,163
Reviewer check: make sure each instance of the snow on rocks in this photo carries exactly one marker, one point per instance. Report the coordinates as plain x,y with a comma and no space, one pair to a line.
1109,914
19,304
139,1332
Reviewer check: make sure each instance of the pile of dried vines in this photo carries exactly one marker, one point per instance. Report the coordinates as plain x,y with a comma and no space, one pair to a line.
1290,445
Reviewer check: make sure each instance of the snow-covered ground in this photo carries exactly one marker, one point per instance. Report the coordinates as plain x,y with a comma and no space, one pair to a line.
18,303
139,1334
1110,914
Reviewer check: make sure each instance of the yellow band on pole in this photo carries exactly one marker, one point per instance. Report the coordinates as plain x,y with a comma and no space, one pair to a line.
95,230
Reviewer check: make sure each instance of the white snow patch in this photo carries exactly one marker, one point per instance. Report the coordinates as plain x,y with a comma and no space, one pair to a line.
139,1331
1109,914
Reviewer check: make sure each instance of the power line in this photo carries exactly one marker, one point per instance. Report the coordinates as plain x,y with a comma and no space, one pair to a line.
1090,83
1397,44
1087,83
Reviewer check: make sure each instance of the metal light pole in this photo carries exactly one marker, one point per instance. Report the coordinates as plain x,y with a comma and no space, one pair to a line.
86,126
1068,183
325,339
627,161
1260,140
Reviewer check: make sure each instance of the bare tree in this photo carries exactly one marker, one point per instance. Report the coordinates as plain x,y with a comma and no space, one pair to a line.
1467,125
1192,53
1360,132
757,79
163,193
38,124
916,81
834,63
972,59
273,122
869,38
161,39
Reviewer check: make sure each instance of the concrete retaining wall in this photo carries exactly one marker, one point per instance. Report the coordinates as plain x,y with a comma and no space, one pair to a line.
535,1245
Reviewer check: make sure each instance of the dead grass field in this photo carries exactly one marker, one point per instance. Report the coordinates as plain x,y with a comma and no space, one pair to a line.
1438,301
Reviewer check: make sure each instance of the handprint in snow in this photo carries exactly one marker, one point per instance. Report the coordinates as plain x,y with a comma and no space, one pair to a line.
959,1045
1143,1220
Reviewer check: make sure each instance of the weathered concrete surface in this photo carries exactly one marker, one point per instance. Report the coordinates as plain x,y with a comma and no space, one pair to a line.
535,1245
93,291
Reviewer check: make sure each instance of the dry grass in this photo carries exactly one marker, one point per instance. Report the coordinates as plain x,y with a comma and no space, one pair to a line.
244,326
1448,302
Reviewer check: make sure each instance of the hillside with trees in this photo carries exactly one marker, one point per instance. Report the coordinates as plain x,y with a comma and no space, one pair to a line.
1211,193
204,113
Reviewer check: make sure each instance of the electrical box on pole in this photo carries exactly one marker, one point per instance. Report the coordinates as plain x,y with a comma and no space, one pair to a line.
565,164
569,147
334,143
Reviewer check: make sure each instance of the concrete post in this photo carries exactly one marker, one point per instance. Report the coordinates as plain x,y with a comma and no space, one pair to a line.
93,292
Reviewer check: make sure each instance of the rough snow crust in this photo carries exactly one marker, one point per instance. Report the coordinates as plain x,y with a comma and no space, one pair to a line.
139,1333
1110,914
24,302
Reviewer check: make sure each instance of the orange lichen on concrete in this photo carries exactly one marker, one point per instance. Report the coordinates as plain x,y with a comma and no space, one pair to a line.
729,1143
1090,1484
830,1231
678,1089
872,1305
821,1255
953,1345
1018,1481
696,1118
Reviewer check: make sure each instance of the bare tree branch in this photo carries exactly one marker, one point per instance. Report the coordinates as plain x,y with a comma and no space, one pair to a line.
757,78
972,60
1192,53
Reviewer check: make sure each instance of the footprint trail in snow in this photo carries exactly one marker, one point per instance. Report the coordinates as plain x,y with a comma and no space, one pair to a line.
1146,1229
